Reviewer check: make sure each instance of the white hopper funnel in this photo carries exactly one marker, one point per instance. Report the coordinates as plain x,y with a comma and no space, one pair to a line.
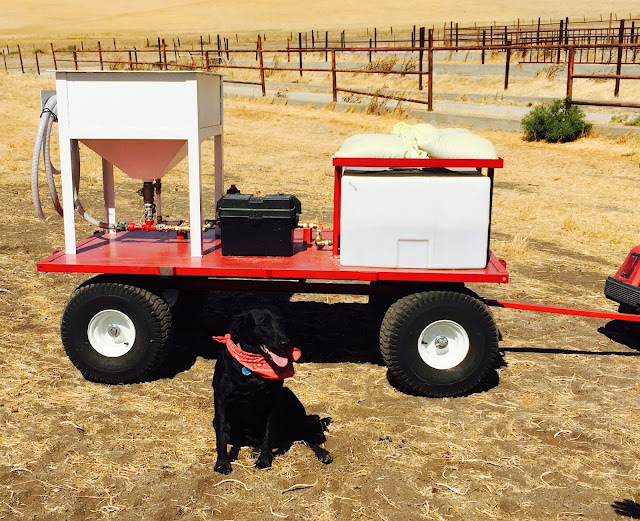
146,159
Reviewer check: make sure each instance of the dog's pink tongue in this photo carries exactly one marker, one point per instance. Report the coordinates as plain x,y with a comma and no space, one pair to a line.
280,361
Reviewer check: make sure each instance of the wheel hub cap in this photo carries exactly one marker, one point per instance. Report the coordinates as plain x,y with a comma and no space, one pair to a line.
114,330
111,333
443,344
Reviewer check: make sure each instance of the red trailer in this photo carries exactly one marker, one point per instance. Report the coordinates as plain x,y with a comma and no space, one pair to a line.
438,338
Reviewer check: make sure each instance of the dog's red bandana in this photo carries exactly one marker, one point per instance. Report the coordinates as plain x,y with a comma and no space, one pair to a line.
258,364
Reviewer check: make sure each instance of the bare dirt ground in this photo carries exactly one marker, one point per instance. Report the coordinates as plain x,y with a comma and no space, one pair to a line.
552,435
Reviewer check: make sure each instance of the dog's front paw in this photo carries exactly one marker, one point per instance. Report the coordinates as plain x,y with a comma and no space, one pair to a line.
264,462
323,455
326,458
223,467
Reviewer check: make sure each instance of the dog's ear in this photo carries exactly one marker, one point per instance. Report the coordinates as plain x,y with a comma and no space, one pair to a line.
237,324
275,312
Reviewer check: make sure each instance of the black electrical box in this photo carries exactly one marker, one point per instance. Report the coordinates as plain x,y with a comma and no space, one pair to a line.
251,225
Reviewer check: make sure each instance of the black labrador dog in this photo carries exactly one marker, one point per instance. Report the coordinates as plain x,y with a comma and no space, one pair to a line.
252,406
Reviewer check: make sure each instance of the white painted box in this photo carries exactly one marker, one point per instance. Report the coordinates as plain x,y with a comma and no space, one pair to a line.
139,104
414,219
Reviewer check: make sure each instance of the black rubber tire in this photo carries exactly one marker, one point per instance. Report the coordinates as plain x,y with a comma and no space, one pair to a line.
185,308
150,315
189,306
408,317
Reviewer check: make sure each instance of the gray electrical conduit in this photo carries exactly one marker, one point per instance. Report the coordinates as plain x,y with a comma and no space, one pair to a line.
43,141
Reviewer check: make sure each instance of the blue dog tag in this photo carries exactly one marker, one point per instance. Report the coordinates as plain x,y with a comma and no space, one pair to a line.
246,371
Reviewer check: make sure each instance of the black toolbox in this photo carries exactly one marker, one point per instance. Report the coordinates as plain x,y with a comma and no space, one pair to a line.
251,225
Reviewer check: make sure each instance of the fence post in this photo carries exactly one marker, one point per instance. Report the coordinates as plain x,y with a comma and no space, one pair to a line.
159,53
484,43
219,53
616,90
572,55
4,56
21,63
135,57
37,62
334,88
326,46
264,88
75,59
420,57
53,55
300,51
430,71
288,51
100,55
164,55
560,38
206,60
370,50
506,68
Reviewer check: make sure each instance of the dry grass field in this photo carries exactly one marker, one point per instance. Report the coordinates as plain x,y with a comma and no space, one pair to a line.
553,435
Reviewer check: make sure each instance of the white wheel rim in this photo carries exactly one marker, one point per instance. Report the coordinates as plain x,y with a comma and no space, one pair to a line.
443,344
111,333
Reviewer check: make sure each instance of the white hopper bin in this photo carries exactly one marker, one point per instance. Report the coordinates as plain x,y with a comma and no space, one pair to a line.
144,123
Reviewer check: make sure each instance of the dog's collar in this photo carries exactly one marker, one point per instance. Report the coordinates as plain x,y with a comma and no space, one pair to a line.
258,364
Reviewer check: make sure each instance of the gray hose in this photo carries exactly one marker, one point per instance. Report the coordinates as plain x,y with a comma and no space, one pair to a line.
75,174
42,144
46,117
48,165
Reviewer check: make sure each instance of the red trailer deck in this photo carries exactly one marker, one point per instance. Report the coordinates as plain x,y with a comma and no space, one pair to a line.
129,253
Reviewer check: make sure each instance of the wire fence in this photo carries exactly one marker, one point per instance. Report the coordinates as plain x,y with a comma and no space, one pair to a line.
527,44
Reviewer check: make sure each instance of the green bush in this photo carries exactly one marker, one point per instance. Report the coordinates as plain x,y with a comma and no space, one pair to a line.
555,123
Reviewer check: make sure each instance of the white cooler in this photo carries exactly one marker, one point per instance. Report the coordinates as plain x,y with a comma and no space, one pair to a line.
414,219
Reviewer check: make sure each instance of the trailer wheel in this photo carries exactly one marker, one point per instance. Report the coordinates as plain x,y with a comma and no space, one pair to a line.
116,333
438,343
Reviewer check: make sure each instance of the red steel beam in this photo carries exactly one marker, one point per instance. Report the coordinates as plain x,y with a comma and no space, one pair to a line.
560,310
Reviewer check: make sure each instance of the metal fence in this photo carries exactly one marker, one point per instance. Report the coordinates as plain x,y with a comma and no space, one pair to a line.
580,45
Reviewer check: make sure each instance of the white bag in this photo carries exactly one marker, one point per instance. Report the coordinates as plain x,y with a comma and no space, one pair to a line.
446,143
377,146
